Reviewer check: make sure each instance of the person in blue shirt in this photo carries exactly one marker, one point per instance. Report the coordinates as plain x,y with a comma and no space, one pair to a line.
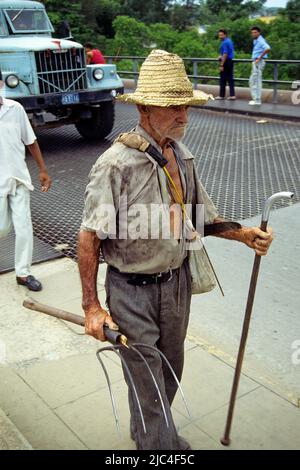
226,66
259,54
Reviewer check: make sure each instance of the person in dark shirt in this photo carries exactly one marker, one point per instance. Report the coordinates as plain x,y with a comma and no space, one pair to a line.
93,56
226,66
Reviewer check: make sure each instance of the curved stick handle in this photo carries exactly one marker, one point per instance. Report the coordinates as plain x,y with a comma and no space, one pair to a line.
113,336
248,312
268,206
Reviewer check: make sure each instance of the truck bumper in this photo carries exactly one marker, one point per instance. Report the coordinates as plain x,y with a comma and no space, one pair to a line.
54,100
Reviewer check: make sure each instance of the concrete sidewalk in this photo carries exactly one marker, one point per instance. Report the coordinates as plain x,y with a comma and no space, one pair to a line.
283,112
53,390
10,436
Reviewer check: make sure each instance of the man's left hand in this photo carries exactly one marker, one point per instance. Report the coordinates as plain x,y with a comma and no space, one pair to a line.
45,181
258,240
257,61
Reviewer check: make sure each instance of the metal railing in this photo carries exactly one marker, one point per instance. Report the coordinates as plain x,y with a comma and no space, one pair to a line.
196,77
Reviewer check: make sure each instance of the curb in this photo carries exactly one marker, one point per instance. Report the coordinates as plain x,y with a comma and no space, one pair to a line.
253,113
10,436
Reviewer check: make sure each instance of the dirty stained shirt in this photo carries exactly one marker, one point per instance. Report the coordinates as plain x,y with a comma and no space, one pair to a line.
126,178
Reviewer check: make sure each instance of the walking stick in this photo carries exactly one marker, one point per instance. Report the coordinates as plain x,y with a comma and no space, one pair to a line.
264,223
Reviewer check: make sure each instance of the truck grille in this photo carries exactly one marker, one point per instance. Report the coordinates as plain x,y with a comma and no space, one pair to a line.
61,71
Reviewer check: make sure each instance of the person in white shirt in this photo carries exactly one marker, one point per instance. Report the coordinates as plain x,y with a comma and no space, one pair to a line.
16,134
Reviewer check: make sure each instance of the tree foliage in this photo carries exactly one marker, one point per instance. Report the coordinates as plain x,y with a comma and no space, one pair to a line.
293,10
133,28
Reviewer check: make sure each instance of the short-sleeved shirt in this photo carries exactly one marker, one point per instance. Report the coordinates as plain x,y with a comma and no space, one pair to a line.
123,172
227,48
15,133
97,57
259,46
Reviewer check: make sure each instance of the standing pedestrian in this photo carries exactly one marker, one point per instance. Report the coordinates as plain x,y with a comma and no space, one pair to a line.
15,184
226,66
259,54
148,282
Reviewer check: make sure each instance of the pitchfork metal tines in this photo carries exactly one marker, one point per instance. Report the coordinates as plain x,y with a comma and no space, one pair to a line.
135,347
119,345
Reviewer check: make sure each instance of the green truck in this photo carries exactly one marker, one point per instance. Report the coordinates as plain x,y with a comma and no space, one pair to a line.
49,76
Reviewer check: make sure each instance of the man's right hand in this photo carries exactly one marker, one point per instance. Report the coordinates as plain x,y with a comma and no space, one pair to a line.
95,319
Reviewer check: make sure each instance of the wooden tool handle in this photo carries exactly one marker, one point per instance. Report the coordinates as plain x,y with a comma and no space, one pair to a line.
112,336
53,312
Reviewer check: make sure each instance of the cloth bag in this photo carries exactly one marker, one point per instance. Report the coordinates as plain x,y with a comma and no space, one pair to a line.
202,272
203,276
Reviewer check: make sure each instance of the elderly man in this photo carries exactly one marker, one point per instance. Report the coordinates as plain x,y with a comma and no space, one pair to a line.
148,283
15,184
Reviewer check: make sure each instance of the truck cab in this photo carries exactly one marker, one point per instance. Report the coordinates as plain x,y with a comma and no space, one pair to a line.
49,76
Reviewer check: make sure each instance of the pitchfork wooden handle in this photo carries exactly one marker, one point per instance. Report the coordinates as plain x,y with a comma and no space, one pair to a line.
112,336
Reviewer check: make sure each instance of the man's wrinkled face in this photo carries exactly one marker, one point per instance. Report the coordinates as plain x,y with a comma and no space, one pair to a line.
169,122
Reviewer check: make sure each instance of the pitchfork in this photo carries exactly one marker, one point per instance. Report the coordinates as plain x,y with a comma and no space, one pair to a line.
118,343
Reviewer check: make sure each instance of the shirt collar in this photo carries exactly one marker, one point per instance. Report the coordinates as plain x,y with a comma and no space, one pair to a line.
5,106
141,131
178,146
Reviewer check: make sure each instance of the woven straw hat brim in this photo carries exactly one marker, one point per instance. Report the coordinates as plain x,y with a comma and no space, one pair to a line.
163,82
198,98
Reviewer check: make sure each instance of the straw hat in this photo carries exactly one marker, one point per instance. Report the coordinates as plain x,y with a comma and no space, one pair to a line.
163,82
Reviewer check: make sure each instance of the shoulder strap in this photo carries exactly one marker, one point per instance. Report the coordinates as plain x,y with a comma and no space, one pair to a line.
138,142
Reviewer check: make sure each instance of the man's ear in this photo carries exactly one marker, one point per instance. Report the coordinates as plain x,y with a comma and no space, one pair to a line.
143,109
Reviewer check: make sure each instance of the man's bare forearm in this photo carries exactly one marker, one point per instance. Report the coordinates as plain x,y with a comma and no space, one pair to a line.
237,235
223,59
88,259
253,237
37,155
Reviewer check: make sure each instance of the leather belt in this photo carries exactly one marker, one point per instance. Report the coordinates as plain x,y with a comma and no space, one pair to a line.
146,279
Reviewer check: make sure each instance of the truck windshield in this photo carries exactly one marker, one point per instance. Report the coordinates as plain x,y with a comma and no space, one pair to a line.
28,21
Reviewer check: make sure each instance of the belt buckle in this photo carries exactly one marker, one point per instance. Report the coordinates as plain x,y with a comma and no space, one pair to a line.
158,276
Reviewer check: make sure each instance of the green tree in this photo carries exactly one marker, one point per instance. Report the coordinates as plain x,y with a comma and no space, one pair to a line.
132,37
151,11
163,36
105,13
71,11
292,11
234,9
184,14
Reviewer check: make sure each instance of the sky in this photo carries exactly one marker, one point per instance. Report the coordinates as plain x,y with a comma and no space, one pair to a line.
276,3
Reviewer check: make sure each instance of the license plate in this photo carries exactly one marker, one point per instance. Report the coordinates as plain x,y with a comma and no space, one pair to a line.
72,98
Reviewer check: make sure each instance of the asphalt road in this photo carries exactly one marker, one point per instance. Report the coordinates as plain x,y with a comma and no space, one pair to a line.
240,163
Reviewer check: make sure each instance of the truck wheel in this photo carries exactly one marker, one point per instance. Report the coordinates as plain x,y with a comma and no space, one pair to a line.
100,124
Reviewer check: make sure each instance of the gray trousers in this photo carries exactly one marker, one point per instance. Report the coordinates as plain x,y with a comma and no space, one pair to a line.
157,315
255,80
15,212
